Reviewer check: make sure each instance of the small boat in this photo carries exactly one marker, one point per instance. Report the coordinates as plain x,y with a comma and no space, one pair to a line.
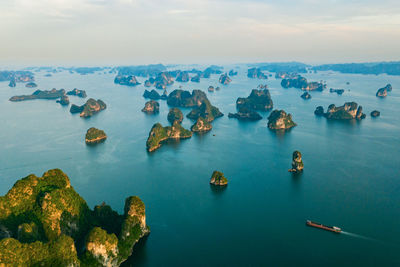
324,227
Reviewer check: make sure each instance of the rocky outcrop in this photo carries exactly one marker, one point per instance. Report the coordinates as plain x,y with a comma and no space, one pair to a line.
195,79
95,136
280,120
151,107
218,178
206,111
224,79
64,100
297,162
38,94
211,88
181,98
31,85
382,92
153,94
257,100
50,222
245,114
159,134
129,80
256,73
232,73
77,92
163,79
90,108
182,76
375,113
150,82
338,91
13,82
201,126
349,111
302,83
175,115
306,96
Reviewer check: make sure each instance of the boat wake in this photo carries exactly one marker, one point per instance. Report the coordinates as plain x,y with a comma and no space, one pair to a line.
360,236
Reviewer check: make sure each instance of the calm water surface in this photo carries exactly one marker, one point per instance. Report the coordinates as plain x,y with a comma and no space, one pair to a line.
351,177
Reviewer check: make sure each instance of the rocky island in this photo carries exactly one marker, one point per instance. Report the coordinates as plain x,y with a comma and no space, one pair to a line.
382,92
129,80
77,92
205,110
153,94
306,96
297,162
300,82
64,100
232,73
349,111
31,85
224,79
90,108
39,94
95,136
181,98
159,134
256,73
280,120
151,107
182,76
218,178
175,115
163,79
245,114
195,79
375,113
45,222
337,91
201,126
257,100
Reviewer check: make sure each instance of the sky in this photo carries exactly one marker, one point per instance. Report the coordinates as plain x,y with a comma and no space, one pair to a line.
110,32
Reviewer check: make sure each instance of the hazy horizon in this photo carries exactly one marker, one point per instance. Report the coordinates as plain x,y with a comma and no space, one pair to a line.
134,32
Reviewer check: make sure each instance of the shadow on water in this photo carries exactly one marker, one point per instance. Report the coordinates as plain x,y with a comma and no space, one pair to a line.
281,134
139,254
201,137
218,190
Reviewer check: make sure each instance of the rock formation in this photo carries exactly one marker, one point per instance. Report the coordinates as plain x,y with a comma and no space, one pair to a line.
183,76
306,95
382,92
245,114
181,98
128,80
218,178
375,113
297,162
257,100
151,107
201,126
77,92
205,110
279,120
256,73
90,108
224,79
95,136
38,94
159,134
64,100
349,111
175,114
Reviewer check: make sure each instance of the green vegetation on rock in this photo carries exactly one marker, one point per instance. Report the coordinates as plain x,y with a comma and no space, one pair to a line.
159,134
279,120
218,178
48,224
205,110
94,135
201,126
175,114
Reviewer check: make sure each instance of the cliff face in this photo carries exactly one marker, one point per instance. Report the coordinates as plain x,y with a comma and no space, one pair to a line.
257,100
201,126
45,218
280,120
218,178
382,92
349,111
77,92
183,76
153,94
90,108
297,162
163,79
205,110
159,134
151,107
64,100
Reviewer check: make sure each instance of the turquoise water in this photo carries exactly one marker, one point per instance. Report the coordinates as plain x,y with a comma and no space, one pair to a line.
351,177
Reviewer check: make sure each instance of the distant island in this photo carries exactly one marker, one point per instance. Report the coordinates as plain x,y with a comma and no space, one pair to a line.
375,113
337,91
31,85
390,68
39,94
206,111
126,80
256,73
77,92
64,100
151,107
90,108
218,179
159,134
280,120
382,92
246,114
306,96
95,136
45,222
183,76
349,111
301,83
257,100
181,98
224,79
